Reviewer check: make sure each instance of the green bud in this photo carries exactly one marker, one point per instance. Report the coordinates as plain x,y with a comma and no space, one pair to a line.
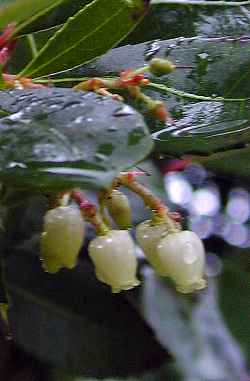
119,209
160,66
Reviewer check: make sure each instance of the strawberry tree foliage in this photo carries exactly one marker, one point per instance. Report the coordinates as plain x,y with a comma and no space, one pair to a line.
54,139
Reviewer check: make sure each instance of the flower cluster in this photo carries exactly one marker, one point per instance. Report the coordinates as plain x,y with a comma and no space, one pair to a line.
173,253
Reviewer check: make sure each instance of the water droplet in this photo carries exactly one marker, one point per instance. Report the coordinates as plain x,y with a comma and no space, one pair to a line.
152,49
135,136
203,60
106,149
112,128
74,105
180,40
189,256
15,164
124,111
26,121
33,104
169,49
100,157
55,107
48,150
203,56
17,116
79,119
9,337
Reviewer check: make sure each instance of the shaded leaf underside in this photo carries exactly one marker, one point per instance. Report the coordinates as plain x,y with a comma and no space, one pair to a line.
64,138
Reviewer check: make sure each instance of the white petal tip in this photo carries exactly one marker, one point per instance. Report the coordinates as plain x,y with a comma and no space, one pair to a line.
125,287
187,289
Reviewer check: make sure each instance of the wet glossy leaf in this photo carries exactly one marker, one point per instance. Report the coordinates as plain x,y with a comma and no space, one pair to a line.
23,52
56,16
58,137
20,10
219,68
159,23
71,328
230,162
165,22
88,34
234,293
70,319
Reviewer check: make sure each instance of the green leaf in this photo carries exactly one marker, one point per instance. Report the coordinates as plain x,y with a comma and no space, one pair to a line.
23,53
57,138
165,22
55,17
90,33
234,295
204,121
232,162
202,3
25,10
70,319
76,323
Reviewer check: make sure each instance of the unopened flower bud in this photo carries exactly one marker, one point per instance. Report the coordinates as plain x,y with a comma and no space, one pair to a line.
160,66
159,110
182,258
119,209
114,259
62,238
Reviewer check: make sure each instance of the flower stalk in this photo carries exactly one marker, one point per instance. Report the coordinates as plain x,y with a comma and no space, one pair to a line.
90,212
160,210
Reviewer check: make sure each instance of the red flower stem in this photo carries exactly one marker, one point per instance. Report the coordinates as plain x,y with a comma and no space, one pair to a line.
154,203
89,212
7,35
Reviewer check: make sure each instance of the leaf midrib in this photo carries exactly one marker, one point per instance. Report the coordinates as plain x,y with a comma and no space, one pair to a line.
71,47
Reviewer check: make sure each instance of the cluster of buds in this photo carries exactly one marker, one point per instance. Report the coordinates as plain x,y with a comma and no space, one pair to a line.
173,253
133,81
130,80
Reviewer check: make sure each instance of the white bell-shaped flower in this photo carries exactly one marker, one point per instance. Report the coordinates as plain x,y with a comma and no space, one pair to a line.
182,258
148,236
62,238
114,258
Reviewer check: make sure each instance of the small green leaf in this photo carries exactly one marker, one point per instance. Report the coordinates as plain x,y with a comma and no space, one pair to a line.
24,10
90,33
56,138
